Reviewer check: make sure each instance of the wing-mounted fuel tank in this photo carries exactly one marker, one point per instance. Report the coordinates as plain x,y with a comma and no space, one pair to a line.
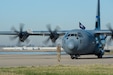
79,42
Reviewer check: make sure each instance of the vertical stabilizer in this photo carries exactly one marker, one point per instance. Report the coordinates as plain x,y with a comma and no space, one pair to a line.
97,25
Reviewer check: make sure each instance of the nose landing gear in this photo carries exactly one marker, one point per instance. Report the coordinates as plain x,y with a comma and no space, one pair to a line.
74,56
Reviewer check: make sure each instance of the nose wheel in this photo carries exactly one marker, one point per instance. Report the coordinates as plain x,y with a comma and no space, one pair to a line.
74,56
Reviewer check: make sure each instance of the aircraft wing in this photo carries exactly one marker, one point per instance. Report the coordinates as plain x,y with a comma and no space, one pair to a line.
23,35
104,32
38,33
7,33
46,33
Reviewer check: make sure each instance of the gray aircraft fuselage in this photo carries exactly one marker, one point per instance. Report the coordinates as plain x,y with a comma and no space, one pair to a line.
79,42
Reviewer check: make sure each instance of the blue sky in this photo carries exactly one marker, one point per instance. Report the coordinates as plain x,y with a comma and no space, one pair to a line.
36,14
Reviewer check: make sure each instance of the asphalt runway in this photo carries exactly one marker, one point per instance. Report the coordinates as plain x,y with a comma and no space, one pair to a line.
51,60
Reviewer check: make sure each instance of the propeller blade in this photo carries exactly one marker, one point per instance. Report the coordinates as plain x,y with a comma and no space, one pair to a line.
109,41
27,41
49,28
14,29
57,28
47,40
19,43
110,28
14,37
21,27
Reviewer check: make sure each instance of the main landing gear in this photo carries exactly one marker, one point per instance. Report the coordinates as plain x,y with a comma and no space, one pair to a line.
100,54
74,56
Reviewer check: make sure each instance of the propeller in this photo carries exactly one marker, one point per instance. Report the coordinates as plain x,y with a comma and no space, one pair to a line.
53,34
110,28
22,35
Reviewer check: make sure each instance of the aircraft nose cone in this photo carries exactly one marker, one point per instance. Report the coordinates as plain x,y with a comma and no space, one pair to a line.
71,45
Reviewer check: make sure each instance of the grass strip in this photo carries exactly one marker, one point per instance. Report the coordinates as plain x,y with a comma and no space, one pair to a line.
95,69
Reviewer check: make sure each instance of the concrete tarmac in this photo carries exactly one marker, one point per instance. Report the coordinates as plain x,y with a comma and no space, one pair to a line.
51,60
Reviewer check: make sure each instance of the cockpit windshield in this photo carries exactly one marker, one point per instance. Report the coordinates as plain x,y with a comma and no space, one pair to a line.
72,34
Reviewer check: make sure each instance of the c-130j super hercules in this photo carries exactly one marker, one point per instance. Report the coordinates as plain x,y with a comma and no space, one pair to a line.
75,42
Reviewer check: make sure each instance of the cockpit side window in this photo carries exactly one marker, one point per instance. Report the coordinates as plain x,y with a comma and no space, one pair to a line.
68,34
75,34
79,34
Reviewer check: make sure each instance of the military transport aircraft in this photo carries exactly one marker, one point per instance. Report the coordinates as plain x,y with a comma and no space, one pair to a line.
75,42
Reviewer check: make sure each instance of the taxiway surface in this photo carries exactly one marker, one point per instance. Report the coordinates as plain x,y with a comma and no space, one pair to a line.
49,60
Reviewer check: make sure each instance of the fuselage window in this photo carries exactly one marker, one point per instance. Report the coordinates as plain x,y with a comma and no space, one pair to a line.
79,34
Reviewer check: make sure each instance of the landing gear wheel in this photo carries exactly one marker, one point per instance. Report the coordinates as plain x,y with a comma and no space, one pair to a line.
99,56
74,56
